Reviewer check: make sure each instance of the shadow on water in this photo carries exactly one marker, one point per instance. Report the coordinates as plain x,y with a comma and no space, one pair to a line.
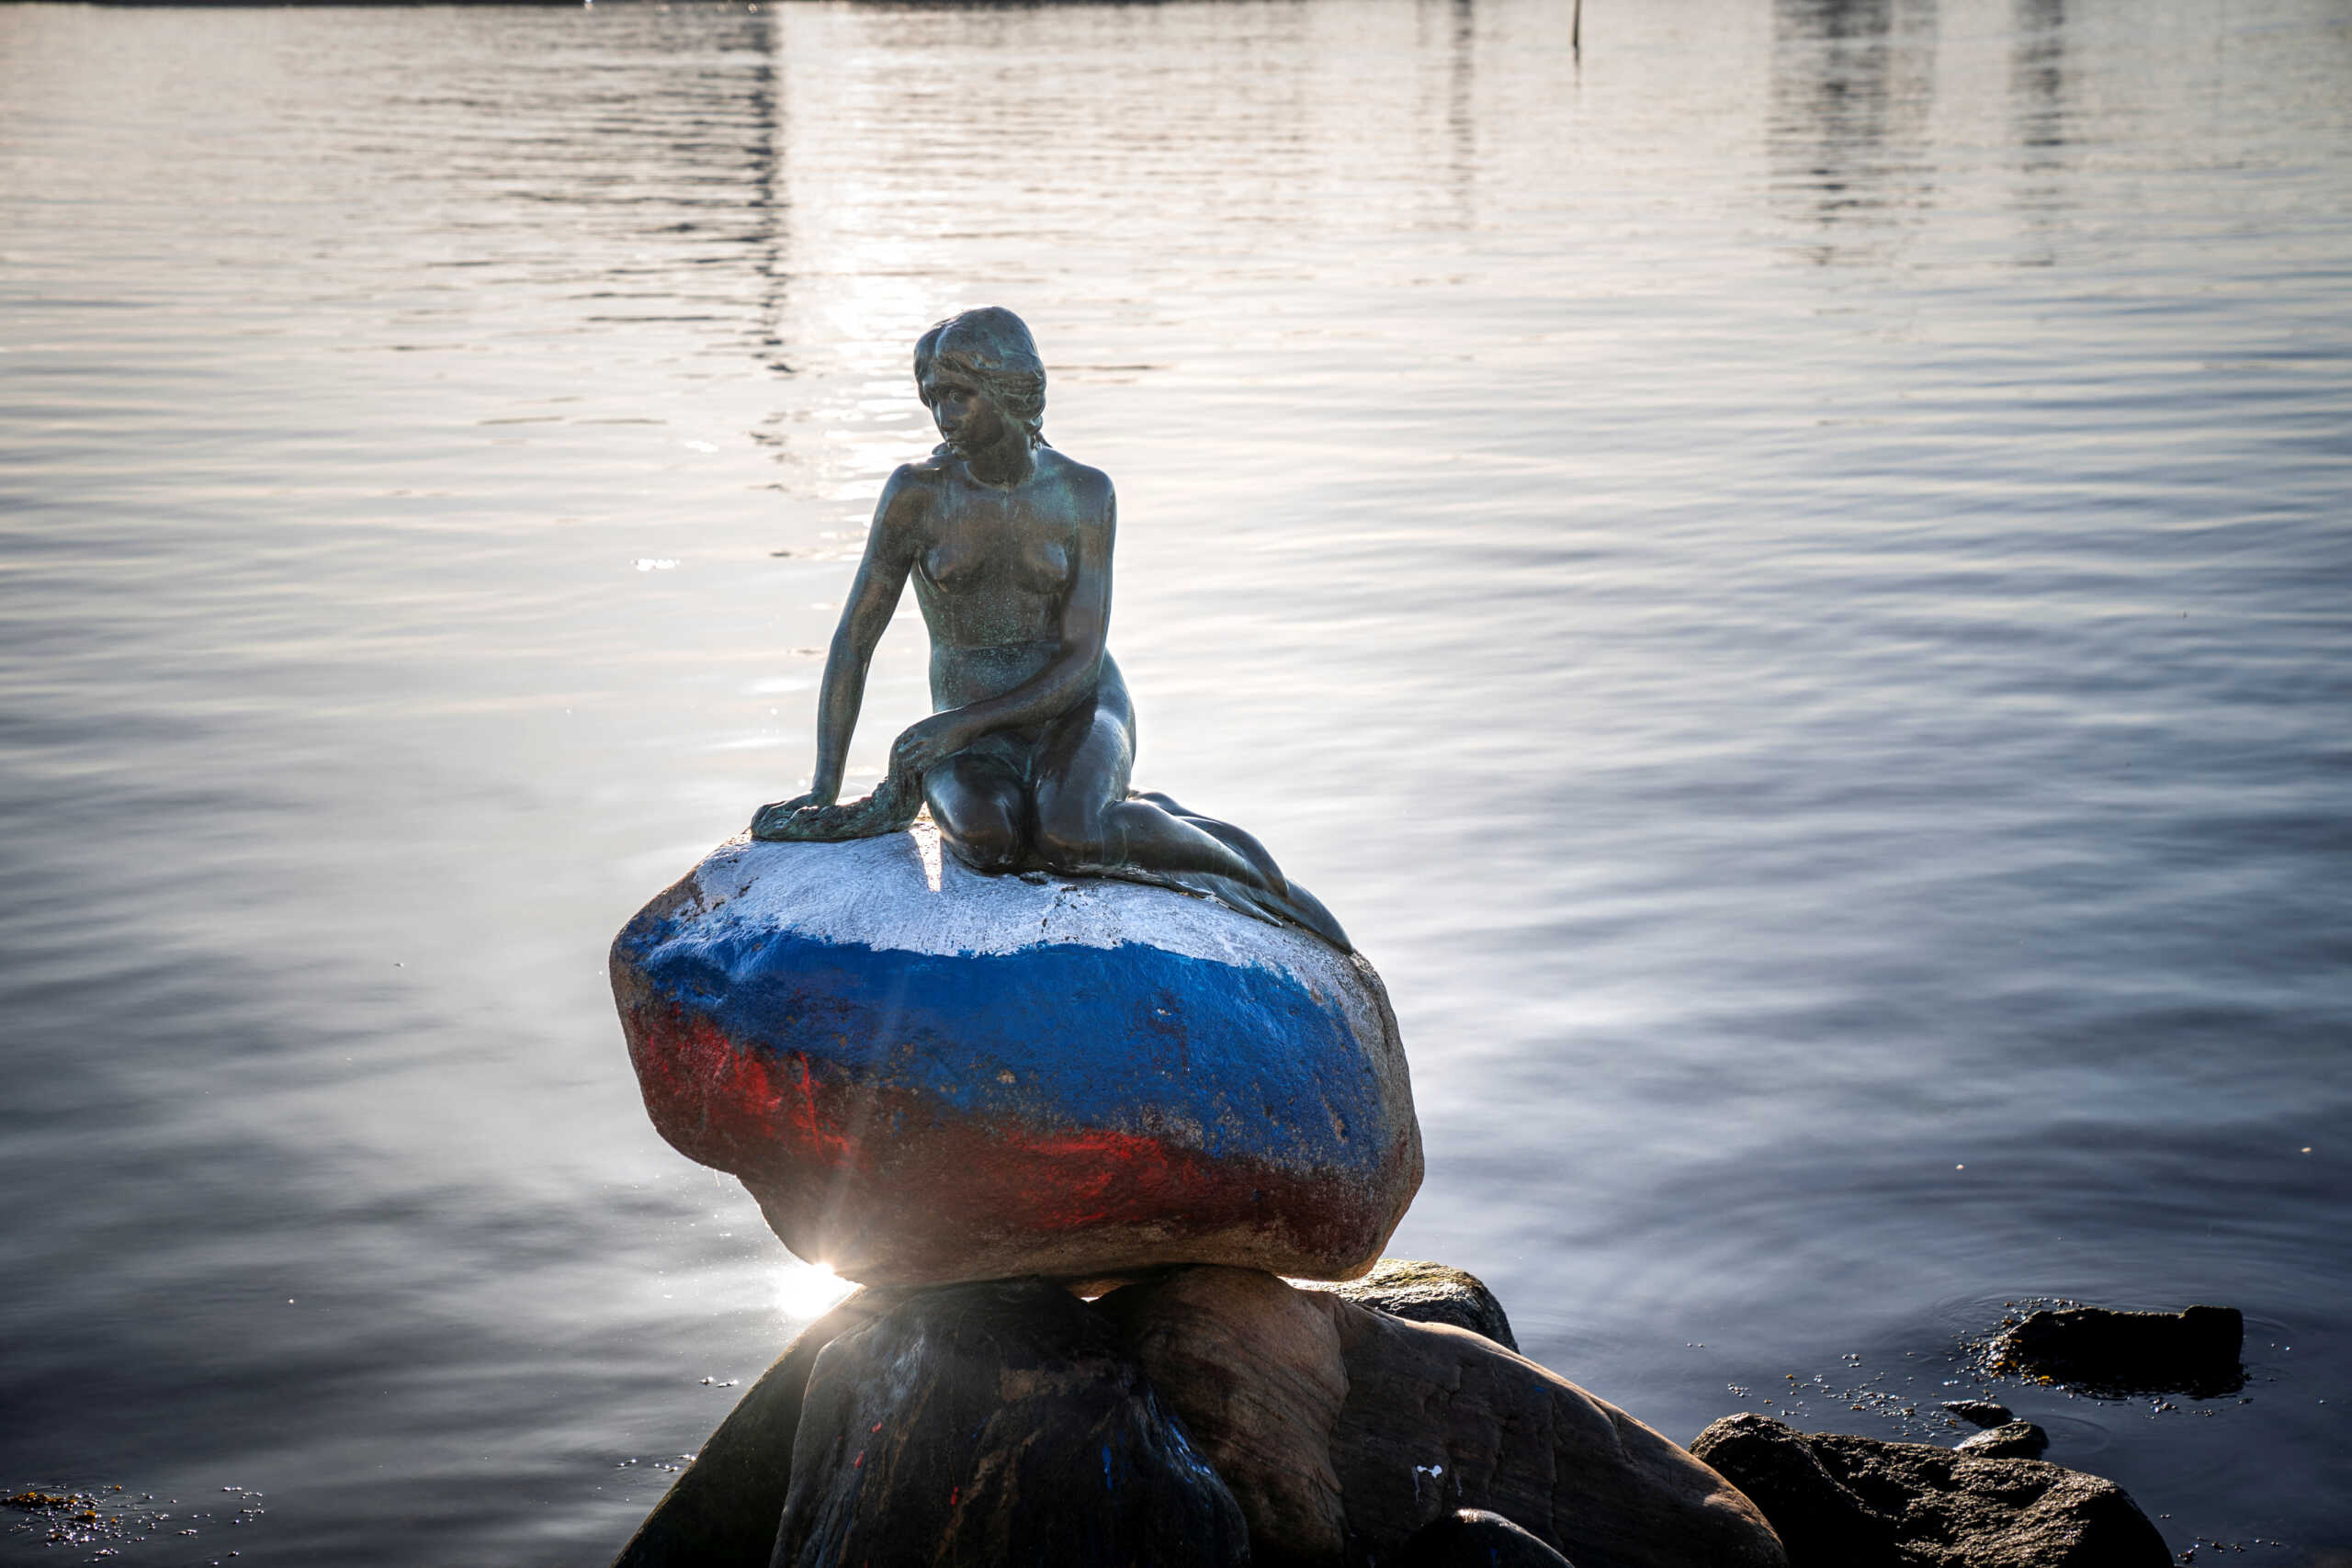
1853,83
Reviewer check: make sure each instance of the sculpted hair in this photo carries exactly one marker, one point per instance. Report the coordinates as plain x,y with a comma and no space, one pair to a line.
992,348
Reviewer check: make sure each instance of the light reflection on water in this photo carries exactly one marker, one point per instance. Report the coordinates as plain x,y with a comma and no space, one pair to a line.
1786,581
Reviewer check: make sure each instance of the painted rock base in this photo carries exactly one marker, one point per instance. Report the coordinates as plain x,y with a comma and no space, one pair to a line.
926,1075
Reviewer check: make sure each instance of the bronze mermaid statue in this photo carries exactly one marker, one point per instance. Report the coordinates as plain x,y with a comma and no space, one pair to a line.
1025,760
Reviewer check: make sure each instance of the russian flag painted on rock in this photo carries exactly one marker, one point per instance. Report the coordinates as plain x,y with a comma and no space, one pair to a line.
925,1073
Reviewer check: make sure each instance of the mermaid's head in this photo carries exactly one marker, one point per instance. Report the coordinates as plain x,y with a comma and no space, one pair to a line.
991,349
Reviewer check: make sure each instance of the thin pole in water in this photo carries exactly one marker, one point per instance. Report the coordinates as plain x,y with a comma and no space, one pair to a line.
1575,29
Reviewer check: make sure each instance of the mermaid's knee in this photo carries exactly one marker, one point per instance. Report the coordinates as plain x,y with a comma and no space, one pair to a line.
984,846
1072,844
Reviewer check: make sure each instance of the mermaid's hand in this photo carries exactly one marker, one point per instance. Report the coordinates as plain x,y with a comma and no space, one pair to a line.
926,743
768,821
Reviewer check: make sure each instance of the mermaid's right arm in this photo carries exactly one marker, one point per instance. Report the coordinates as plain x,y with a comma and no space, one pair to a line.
872,599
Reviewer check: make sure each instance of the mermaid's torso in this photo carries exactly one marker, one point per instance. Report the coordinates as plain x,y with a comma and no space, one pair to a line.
992,578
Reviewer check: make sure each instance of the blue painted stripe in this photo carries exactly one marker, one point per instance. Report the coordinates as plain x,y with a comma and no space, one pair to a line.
1131,1039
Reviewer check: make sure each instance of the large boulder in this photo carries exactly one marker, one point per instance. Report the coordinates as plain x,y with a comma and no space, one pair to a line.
1839,1501
927,1075
1344,1433
982,1425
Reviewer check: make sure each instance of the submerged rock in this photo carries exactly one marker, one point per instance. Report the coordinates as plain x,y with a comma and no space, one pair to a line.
1980,1412
1429,1293
984,1425
2011,1440
1841,1502
1299,1395
926,1075
2193,1351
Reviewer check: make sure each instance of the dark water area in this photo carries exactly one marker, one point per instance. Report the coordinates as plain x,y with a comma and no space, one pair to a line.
1790,581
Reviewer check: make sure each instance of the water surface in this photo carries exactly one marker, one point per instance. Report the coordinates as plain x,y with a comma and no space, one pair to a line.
1789,581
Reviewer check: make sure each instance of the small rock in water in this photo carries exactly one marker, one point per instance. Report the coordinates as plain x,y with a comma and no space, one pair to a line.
2012,1440
2194,1351
1474,1538
1428,1293
1980,1412
997,1424
1840,1502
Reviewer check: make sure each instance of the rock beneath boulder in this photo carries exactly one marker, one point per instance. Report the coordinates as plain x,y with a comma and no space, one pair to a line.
1474,1538
1432,1419
722,1512
1428,1293
2011,1440
1438,1418
977,1425
1980,1412
1254,1367
1841,1501
2195,1350
928,1075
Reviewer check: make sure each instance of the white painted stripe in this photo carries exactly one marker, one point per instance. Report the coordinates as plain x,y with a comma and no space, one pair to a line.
901,891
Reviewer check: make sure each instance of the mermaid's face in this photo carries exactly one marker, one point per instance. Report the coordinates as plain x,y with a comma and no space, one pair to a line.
968,421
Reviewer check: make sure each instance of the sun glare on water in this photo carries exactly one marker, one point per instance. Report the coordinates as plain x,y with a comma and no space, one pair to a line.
809,1290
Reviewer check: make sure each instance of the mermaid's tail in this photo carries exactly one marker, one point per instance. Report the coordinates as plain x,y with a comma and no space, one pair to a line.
1295,906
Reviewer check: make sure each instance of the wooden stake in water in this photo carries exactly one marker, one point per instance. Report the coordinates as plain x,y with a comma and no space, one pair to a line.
1576,27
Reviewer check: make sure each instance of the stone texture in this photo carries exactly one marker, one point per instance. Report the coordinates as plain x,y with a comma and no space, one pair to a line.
1428,1293
977,1426
2011,1440
1432,1419
1438,1418
722,1510
1980,1412
1848,1501
1254,1367
2194,1351
927,1075
1474,1538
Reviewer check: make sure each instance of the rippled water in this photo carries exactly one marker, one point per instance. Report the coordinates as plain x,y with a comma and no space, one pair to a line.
1787,580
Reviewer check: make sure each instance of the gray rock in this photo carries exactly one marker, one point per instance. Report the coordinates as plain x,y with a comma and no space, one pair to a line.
721,1511
2194,1351
1980,1412
1439,1418
995,1424
1848,1502
1822,1522
1427,1292
1345,1432
1253,1368
2012,1440
1474,1538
